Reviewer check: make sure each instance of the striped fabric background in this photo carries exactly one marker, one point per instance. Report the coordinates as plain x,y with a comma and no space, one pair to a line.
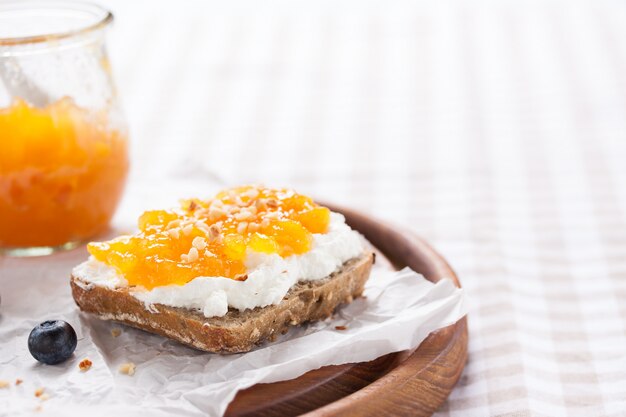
496,130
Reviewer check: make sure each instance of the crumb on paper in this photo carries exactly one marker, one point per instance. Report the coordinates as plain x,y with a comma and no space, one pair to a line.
4,384
44,397
115,332
127,369
39,392
18,381
341,328
84,365
38,408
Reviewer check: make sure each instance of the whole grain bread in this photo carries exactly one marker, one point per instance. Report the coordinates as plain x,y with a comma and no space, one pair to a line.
237,331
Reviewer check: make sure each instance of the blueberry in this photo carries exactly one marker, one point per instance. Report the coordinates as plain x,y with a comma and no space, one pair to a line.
52,341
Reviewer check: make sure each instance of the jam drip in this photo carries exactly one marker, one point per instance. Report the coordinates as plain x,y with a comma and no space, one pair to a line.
211,238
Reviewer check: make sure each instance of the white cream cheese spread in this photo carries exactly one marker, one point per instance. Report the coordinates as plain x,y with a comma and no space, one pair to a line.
269,276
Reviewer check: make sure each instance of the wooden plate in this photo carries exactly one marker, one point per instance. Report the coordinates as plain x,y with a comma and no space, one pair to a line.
409,383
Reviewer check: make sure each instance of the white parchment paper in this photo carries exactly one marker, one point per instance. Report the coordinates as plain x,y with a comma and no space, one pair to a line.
399,311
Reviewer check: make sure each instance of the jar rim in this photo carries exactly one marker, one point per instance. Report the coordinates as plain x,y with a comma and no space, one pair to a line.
96,17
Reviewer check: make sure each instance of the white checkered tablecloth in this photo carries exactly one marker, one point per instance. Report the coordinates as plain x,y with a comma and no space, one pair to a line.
494,129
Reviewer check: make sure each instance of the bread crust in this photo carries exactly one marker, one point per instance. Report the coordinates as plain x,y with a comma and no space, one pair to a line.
237,331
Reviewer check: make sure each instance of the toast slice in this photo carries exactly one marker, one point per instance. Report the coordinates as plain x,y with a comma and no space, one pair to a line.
237,331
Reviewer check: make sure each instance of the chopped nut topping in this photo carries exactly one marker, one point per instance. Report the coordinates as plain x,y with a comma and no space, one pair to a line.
271,203
260,204
192,205
216,213
202,226
193,255
243,215
85,365
127,369
272,215
214,231
173,224
39,392
174,233
188,229
4,384
242,227
199,243
253,227
252,193
115,332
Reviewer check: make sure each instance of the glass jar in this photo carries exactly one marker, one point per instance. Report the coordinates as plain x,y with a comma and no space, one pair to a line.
63,140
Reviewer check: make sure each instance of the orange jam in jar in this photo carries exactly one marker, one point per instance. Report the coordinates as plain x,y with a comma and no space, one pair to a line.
62,172
211,238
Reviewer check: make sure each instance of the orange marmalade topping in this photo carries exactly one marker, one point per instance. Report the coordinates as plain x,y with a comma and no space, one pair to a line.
62,170
211,237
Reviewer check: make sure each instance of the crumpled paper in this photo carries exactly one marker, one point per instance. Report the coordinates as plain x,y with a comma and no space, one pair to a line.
399,311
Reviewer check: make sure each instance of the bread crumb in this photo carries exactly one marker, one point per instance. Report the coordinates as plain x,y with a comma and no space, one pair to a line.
84,365
127,369
116,332
18,381
39,392
241,277
44,397
341,328
4,384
